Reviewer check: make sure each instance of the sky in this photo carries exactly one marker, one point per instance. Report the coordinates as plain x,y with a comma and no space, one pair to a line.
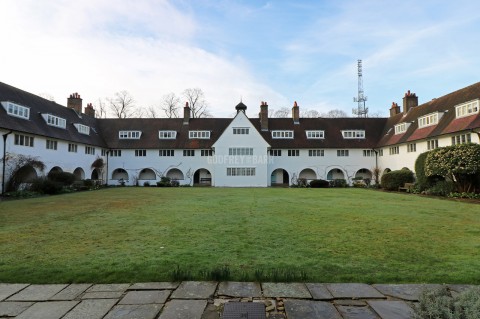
249,51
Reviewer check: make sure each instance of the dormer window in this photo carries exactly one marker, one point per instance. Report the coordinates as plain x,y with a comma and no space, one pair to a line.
199,134
401,128
16,110
315,134
353,134
428,120
129,135
82,129
56,121
467,109
167,135
282,134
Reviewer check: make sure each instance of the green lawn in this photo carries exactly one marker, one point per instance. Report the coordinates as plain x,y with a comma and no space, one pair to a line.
329,235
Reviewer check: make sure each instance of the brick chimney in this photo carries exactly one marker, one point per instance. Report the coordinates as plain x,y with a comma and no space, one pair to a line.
296,113
409,100
395,109
89,110
263,116
75,102
186,114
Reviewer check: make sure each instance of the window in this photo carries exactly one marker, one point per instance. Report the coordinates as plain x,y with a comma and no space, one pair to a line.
134,135
51,145
401,128
293,152
282,134
206,153
16,110
241,130
461,139
89,150
466,109
53,120
353,134
166,153
380,152
394,150
316,153
188,152
167,135
23,140
342,153
104,152
432,144
72,148
428,120
275,152
240,151
82,129
368,153
411,148
315,134
115,153
199,134
140,153
240,171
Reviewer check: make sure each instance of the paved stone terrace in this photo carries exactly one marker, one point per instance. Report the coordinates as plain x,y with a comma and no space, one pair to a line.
206,300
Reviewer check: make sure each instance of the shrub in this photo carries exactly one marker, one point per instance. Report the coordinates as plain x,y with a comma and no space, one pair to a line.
395,179
64,178
339,182
319,183
441,188
164,182
422,179
146,184
88,183
46,186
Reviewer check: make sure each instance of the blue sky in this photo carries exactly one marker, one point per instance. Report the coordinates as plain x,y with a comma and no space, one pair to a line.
274,51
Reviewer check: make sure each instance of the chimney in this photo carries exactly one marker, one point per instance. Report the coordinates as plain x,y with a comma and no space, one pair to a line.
263,116
296,113
186,114
75,102
409,100
89,110
395,109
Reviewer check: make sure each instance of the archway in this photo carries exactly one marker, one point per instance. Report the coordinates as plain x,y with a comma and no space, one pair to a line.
22,178
79,173
202,177
335,173
387,170
175,174
54,170
279,177
147,174
363,173
95,174
119,173
308,174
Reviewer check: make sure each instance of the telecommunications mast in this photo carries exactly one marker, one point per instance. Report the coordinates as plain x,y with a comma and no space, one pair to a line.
361,110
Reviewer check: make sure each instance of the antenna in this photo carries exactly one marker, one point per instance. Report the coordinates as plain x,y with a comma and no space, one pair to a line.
361,110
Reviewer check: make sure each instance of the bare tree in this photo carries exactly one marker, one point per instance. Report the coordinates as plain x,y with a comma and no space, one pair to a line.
376,114
170,104
122,105
282,112
310,114
151,112
196,100
101,109
335,113
47,96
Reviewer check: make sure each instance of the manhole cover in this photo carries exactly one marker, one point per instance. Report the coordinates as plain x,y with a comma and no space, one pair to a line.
244,310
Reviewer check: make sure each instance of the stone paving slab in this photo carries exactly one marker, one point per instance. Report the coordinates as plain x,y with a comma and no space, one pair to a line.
461,288
91,309
145,297
354,291
37,293
350,302
103,295
319,291
287,290
239,289
154,286
13,308
410,292
352,312
391,309
309,309
182,309
195,290
6,290
134,312
109,287
48,310
71,292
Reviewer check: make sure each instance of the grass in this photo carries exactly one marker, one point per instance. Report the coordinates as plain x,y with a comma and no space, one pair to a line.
158,234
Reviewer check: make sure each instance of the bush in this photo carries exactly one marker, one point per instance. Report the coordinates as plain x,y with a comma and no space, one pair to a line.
393,180
464,195
422,180
339,182
64,178
46,186
146,184
441,188
164,182
319,183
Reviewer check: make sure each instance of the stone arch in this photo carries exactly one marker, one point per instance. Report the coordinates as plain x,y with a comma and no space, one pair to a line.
308,174
363,173
175,174
279,177
55,169
147,174
79,173
335,173
119,173
202,176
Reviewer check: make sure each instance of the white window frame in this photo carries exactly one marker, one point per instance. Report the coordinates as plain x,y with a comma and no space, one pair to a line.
432,144
165,153
401,128
275,152
129,135
293,153
467,109
241,171
368,153
199,135
82,129
51,145
56,121
429,120
352,134
72,148
141,153
17,110
343,153
23,140
189,153
89,150
316,153
411,147
115,153
241,130
394,150
461,139
282,134
206,153
167,135
317,134
240,151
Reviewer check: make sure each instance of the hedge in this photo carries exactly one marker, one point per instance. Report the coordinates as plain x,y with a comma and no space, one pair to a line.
393,180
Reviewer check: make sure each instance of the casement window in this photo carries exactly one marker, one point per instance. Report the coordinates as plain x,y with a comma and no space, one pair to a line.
240,171
132,135
394,150
368,153
353,134
140,153
401,128
293,153
188,152
467,109
240,151
167,135
241,130
380,152
282,134
72,148
82,129
316,153
115,153
428,120
199,134
206,152
166,153
315,134
432,144
53,120
51,145
411,147
16,110
342,153
461,139
23,140
89,150
275,152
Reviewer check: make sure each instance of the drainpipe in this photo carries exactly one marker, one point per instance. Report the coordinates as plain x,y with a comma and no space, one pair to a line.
106,178
376,166
4,159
